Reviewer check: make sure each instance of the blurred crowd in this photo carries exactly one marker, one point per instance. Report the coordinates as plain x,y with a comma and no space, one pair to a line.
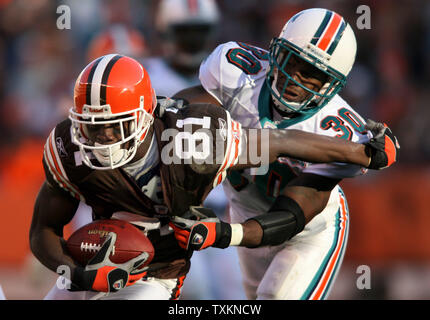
40,62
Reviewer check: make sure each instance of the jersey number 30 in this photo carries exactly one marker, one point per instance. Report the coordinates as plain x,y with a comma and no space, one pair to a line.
337,123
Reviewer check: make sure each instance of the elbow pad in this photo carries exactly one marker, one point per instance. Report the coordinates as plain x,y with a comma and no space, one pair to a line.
284,220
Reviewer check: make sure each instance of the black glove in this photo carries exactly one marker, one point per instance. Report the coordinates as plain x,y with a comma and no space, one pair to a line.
101,274
383,148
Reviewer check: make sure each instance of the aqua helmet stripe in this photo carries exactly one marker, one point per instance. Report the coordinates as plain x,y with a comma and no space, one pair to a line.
322,27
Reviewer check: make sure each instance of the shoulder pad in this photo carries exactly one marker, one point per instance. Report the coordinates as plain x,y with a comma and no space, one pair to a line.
231,66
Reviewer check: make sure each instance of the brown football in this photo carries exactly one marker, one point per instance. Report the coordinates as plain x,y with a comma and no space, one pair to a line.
130,241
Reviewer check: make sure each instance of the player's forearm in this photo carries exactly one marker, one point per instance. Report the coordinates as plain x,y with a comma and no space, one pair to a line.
252,234
49,249
52,211
315,148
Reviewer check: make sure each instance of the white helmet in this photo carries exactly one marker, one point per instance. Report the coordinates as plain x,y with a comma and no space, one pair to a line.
322,38
187,28
171,12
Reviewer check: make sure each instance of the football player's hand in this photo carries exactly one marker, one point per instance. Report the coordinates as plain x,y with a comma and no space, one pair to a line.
383,148
198,235
101,274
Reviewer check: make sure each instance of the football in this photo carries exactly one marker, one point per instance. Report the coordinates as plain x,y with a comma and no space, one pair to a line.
85,242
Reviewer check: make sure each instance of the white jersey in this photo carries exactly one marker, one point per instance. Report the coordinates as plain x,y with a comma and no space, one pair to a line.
166,81
235,75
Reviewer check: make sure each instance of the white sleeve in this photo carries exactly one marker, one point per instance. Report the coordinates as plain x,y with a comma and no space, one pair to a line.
340,170
219,77
336,169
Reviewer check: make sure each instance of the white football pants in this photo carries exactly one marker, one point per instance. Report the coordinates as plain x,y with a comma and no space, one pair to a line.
150,289
304,267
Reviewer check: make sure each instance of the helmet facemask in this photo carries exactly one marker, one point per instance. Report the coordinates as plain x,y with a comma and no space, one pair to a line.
281,52
127,131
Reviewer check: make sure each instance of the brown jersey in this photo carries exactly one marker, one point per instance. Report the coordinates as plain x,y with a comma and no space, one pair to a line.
197,144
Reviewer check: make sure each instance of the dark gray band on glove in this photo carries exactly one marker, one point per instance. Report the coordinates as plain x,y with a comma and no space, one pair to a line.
223,231
81,280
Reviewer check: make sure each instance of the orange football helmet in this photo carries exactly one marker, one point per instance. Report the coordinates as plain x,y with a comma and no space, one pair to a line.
113,92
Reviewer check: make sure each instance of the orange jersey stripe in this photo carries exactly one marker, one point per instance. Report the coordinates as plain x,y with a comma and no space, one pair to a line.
55,169
219,179
51,163
229,149
53,155
227,157
61,181
236,141
330,32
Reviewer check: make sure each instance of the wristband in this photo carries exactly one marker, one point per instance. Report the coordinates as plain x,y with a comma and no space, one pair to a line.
236,234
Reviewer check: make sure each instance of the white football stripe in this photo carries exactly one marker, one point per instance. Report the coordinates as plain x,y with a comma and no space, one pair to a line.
97,79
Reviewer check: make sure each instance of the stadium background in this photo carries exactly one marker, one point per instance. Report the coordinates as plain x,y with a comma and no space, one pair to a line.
390,217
